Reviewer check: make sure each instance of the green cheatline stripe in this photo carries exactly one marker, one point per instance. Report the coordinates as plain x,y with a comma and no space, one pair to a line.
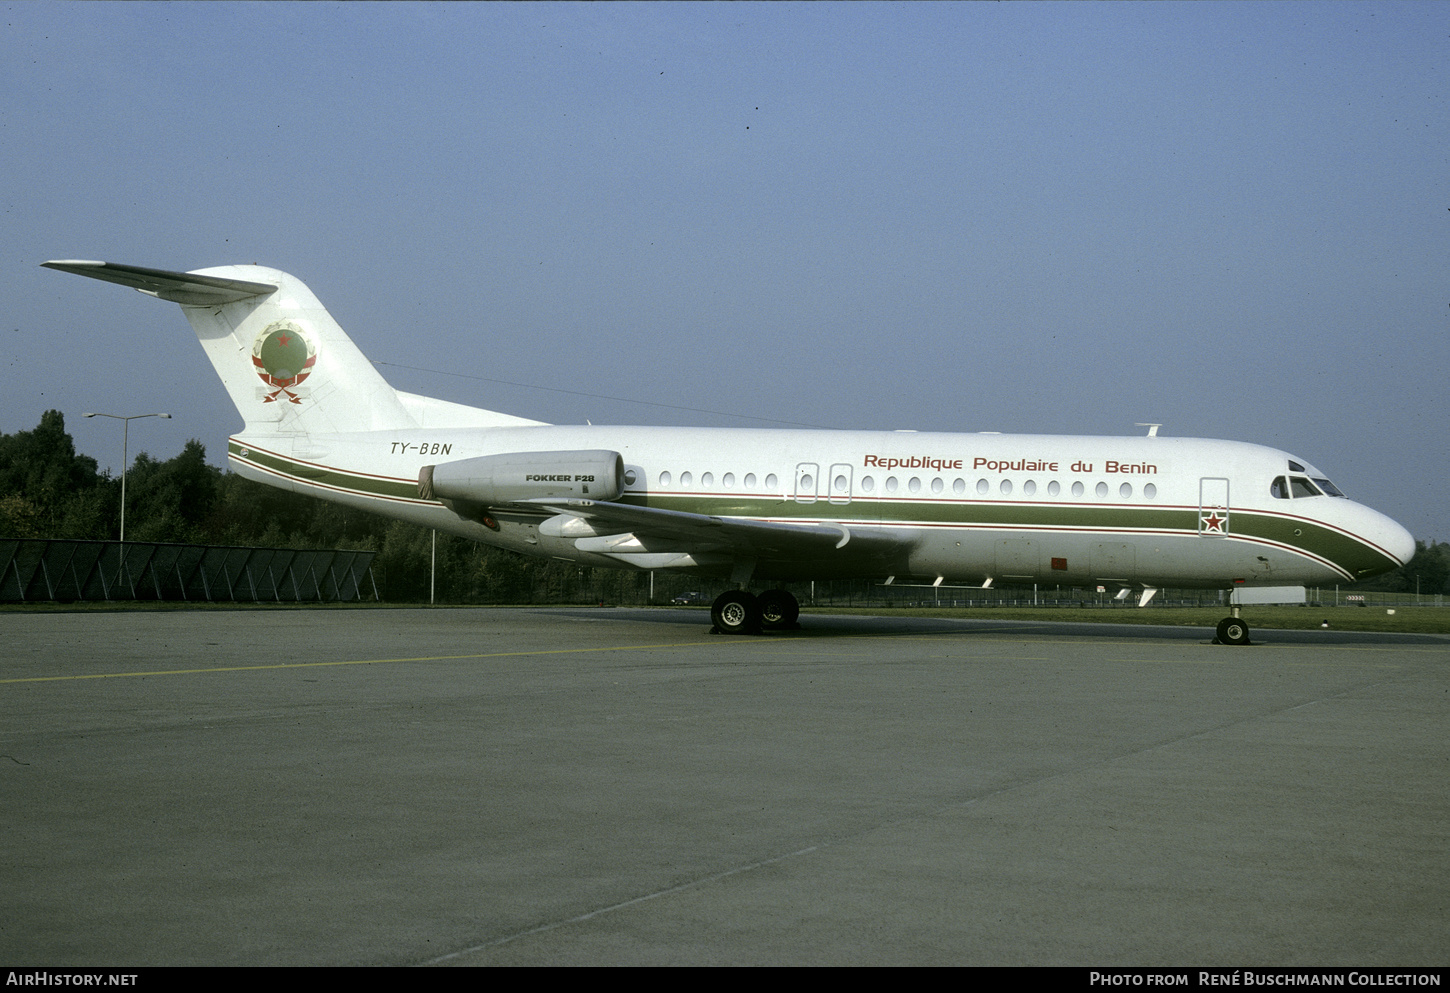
308,473
1345,551
1348,553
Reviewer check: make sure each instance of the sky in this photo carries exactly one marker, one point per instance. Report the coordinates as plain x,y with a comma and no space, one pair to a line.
1053,218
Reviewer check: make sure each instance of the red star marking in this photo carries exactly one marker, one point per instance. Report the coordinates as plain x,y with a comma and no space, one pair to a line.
282,340
1213,522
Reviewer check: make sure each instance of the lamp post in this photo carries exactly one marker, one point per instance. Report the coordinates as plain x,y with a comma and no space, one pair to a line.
125,454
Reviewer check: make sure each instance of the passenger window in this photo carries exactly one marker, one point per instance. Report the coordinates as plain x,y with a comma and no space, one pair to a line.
771,482
1126,491
1006,487
891,484
1150,491
664,479
707,480
729,480
959,486
686,479
915,485
750,480
1054,488
983,486
1102,489
1029,487
1077,489
867,484
937,485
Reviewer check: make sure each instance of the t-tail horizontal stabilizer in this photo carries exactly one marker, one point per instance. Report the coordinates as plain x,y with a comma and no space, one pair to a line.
186,288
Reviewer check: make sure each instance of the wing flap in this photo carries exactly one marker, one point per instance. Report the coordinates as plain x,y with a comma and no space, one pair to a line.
654,529
185,288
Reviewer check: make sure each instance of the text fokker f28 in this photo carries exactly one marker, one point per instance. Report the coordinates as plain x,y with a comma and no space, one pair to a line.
754,506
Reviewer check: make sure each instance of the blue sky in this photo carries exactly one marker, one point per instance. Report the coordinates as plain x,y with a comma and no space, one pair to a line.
1062,218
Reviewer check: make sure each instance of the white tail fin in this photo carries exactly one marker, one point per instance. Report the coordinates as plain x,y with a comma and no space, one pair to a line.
287,364
284,360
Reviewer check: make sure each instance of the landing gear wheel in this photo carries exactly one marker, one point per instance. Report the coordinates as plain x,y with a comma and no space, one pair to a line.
1233,631
779,610
736,612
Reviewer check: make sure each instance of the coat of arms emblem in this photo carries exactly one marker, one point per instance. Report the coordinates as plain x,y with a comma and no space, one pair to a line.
283,357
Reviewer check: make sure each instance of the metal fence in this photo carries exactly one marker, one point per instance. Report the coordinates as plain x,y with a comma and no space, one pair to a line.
53,569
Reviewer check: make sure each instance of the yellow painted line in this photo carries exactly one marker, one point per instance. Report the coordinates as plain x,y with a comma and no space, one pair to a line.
1175,661
764,643
422,658
1346,663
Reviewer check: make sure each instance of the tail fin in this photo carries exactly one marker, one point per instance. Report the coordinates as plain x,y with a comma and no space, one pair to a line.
287,364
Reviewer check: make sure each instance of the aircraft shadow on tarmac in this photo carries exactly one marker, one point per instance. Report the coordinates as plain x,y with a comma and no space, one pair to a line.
850,625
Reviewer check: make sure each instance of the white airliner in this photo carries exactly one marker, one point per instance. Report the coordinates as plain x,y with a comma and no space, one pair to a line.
751,506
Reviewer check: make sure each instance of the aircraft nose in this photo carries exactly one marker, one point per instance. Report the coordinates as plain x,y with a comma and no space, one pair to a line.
1397,541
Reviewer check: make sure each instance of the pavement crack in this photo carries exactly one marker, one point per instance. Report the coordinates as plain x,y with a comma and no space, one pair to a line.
578,918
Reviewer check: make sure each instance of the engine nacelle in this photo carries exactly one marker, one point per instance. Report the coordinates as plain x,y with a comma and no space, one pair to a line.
494,480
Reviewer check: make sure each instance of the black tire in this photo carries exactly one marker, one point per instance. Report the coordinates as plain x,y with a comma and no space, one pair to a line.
779,610
1233,631
736,612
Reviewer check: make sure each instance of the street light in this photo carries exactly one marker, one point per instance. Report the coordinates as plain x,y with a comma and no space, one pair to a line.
125,454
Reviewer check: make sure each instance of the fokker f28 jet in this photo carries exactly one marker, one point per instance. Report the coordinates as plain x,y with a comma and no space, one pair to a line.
755,506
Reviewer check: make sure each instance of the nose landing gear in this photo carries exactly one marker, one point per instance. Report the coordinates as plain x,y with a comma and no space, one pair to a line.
1233,630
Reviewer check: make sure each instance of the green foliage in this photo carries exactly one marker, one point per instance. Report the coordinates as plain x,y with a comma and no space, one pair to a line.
248,513
172,500
1427,572
19,517
48,491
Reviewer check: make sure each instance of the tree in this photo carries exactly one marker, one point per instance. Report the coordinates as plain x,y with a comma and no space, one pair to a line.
50,490
172,500
1428,571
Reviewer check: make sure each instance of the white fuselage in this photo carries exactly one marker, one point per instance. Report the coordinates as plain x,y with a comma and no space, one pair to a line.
970,507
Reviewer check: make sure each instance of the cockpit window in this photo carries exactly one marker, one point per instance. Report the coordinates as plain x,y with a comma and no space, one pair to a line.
1301,487
1293,487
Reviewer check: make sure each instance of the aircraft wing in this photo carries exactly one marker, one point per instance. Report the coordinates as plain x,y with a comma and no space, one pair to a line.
622,529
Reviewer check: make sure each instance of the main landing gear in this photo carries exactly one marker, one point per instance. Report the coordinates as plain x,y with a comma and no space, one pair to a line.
739,612
1233,630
